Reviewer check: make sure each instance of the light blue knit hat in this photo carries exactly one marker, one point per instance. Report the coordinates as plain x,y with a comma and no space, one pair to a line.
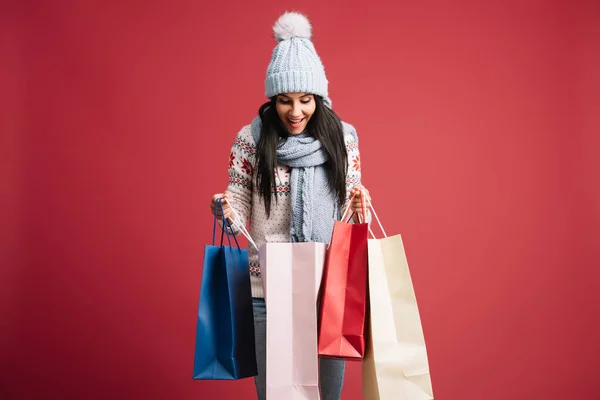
295,66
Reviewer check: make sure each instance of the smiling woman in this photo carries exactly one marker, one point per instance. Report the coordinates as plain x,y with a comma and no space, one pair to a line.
292,172
298,117
295,110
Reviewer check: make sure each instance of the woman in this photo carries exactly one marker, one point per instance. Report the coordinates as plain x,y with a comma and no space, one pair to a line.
292,171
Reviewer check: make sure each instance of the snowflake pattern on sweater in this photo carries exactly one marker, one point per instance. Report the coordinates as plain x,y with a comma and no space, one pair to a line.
249,205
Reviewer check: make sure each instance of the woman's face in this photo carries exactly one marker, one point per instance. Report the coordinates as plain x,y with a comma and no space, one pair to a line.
295,110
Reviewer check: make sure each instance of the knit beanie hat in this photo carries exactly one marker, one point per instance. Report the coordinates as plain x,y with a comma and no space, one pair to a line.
295,66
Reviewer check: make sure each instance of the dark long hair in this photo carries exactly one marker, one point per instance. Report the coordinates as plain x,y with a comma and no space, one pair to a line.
324,125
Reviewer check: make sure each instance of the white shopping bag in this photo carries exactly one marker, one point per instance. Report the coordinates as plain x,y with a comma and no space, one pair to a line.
292,275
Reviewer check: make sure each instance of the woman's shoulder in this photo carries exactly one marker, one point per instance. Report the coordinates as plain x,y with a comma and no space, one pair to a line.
244,135
251,132
350,135
244,143
246,130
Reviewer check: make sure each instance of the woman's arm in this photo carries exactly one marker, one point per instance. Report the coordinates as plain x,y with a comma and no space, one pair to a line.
241,172
354,177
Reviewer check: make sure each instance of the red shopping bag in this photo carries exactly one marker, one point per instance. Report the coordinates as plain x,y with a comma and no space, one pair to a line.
344,292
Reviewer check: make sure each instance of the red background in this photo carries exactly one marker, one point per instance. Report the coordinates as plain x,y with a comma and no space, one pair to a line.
479,130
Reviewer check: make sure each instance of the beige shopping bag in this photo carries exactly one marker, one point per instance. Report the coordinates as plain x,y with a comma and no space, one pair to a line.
396,365
292,275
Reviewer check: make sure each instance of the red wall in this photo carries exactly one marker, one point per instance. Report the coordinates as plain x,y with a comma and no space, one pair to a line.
479,131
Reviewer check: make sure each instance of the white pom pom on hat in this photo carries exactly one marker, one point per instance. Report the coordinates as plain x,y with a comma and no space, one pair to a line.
292,24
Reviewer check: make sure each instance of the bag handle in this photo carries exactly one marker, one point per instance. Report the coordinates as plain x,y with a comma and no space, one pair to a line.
364,210
227,224
364,213
215,224
238,224
378,221
360,216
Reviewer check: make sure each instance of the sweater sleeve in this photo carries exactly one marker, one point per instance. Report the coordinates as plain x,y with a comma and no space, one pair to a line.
241,172
353,174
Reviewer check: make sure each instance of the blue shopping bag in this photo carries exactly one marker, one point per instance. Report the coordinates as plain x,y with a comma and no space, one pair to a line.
225,330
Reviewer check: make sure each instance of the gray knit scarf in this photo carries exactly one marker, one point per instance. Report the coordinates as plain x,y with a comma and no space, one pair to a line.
314,204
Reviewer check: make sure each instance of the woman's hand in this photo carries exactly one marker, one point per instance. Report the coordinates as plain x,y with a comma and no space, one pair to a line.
361,199
226,209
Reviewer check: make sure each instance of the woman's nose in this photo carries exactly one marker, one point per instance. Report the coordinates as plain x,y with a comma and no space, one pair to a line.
296,110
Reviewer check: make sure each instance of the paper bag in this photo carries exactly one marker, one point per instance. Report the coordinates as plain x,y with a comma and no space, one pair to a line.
291,275
224,347
395,366
344,293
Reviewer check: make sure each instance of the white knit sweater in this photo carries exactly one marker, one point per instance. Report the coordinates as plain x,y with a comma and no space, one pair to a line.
249,205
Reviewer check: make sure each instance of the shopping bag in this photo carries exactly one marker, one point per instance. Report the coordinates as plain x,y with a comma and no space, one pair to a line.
291,276
344,292
396,365
224,346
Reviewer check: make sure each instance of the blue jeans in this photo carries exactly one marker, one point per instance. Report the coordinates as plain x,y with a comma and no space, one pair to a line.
331,371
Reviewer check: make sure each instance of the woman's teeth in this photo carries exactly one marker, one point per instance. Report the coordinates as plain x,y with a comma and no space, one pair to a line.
295,122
